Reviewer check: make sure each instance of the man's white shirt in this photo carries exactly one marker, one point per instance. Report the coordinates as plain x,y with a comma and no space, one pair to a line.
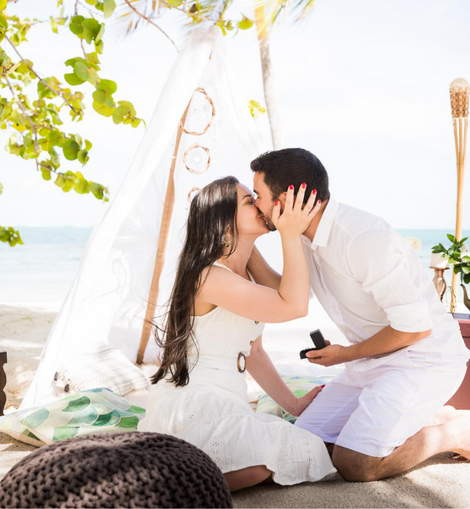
366,276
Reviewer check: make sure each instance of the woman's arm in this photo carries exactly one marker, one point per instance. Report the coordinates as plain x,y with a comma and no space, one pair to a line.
232,292
263,273
261,368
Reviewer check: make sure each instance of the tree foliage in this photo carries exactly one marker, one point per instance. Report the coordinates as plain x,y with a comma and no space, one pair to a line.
32,107
35,122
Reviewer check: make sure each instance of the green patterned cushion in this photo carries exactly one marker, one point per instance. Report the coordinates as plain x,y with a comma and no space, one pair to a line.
11,425
82,413
299,385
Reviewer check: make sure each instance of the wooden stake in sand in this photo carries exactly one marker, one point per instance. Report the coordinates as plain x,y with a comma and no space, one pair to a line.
459,94
162,243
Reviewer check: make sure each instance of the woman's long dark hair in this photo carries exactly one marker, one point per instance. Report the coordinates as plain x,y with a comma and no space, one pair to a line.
212,213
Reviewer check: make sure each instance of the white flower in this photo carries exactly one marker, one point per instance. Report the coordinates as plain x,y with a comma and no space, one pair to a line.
415,243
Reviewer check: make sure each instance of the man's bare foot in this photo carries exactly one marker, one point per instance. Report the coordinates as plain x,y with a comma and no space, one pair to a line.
460,427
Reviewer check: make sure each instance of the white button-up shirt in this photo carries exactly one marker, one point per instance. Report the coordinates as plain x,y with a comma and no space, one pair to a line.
366,276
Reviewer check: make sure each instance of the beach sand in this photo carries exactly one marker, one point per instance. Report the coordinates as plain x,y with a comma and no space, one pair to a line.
439,482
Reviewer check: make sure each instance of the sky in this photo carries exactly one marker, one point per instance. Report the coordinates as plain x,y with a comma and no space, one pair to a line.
363,85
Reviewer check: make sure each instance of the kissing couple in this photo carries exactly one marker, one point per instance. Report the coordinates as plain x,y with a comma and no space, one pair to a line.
379,417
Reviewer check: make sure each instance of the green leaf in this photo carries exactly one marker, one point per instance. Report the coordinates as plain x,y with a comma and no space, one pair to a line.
119,113
103,109
245,23
73,79
82,156
46,174
53,24
128,105
91,29
1,188
76,26
73,61
99,37
451,238
3,27
465,269
107,86
88,145
3,5
86,73
109,6
466,279
175,3
71,150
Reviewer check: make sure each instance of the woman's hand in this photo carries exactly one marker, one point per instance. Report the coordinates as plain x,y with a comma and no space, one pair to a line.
294,219
302,403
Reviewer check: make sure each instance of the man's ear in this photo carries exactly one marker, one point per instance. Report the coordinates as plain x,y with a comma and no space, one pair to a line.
282,199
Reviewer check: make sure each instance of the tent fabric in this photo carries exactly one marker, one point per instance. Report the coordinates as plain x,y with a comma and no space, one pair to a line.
107,301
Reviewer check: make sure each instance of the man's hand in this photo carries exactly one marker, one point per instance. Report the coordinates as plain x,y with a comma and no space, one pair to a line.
328,356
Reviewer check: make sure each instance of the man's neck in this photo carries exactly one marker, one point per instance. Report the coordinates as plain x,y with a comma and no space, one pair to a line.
312,229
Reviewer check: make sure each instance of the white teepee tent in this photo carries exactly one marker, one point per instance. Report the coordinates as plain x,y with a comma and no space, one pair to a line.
201,130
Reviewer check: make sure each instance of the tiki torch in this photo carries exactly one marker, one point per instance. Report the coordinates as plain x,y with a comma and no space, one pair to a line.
459,92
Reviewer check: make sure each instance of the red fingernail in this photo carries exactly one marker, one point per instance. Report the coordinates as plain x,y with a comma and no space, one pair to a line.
276,203
291,187
319,201
314,191
322,385
304,185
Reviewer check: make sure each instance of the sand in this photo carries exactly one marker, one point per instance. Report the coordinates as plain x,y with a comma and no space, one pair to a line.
439,482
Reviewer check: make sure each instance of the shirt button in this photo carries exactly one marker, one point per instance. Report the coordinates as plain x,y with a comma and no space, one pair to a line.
256,322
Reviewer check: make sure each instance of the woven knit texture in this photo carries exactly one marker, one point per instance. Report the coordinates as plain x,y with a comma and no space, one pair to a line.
116,470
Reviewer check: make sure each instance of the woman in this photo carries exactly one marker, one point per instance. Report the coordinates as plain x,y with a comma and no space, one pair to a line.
216,317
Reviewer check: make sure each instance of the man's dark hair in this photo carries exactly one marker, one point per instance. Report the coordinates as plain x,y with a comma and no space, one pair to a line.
292,166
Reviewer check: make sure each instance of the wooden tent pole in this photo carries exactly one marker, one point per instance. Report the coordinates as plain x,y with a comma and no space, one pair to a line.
162,244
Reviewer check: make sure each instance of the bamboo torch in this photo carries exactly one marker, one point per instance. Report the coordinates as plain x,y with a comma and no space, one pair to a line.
459,92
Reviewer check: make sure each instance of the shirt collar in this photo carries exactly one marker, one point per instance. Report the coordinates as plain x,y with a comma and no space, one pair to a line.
324,226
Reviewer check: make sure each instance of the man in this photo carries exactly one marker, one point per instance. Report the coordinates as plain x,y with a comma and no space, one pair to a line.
407,356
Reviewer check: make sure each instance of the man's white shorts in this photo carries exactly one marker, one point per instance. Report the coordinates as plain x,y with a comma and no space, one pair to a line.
376,410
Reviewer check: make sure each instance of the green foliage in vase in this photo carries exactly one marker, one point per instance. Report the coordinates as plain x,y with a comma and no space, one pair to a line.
458,257
34,120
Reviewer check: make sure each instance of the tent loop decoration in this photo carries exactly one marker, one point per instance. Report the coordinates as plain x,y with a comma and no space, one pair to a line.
194,99
195,156
190,194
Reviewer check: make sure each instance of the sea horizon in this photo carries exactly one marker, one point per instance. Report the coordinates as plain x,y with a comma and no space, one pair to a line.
40,272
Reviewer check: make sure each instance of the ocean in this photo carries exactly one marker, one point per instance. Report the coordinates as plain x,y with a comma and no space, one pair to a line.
42,270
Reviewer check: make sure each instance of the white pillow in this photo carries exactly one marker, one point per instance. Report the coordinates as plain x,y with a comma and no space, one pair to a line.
11,425
102,367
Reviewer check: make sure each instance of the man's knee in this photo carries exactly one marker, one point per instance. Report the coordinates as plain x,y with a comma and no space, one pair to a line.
354,466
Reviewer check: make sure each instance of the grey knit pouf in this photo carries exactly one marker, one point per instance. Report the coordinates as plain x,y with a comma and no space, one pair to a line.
116,470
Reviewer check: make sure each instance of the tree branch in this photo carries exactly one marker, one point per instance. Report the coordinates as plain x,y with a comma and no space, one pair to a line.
39,77
152,23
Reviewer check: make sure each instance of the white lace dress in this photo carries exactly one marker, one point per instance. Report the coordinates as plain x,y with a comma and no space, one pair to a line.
212,411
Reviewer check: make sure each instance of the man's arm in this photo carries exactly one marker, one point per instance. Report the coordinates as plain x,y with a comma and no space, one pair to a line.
378,261
387,340
263,273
